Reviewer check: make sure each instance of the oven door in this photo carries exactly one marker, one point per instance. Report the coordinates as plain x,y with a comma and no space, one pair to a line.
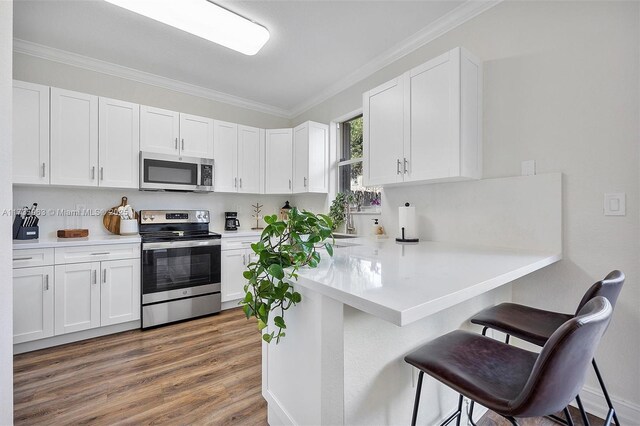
172,270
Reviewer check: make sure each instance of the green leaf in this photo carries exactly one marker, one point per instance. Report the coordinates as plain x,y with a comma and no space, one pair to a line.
329,248
248,274
267,337
248,298
296,297
276,271
261,325
279,322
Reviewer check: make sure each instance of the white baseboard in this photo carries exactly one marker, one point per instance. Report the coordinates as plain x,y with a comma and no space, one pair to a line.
594,402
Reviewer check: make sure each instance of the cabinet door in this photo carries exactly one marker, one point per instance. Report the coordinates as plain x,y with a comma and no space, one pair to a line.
120,291
279,161
32,303
119,143
196,136
159,130
232,282
431,146
77,297
30,133
318,172
300,158
383,133
225,151
249,164
74,138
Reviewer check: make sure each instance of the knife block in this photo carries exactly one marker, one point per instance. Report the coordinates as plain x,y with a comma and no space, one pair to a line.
21,232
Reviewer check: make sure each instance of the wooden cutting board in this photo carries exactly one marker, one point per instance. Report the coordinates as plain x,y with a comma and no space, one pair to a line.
111,219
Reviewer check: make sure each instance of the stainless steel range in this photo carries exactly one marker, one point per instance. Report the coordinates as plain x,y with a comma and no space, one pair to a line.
180,266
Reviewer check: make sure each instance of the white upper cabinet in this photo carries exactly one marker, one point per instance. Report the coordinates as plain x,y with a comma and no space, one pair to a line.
225,152
119,143
196,136
279,161
74,138
159,130
383,133
444,119
430,127
250,160
30,133
311,158
173,133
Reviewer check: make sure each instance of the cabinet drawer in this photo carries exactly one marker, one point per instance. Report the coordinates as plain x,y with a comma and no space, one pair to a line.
96,253
238,243
24,258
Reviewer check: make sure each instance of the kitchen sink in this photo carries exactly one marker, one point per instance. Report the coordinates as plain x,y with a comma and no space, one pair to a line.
343,236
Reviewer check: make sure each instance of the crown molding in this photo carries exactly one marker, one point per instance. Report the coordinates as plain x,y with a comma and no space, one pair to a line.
463,13
85,62
458,16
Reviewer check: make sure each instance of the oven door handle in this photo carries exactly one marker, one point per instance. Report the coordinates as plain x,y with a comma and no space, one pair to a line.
180,244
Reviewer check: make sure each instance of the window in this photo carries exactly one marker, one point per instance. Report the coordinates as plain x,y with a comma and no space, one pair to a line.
350,164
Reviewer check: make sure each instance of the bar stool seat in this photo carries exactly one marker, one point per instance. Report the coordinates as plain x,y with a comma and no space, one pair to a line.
478,367
530,324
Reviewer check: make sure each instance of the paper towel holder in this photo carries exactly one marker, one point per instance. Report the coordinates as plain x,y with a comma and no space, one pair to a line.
402,239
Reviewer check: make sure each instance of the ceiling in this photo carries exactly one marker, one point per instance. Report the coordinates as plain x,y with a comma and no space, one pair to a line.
313,44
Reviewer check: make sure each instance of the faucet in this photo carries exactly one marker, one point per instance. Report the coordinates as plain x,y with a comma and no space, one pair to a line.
351,229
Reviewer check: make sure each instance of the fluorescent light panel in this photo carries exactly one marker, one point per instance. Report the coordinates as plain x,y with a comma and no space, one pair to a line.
203,19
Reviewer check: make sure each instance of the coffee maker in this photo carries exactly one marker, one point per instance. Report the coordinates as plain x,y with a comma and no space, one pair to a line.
231,222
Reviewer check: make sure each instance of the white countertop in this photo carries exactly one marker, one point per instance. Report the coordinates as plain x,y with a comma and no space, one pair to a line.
67,242
405,283
239,233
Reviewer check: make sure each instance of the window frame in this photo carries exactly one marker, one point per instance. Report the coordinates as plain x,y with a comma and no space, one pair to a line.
342,136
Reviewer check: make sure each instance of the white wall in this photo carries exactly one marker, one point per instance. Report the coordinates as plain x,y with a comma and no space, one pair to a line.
6,288
561,87
69,198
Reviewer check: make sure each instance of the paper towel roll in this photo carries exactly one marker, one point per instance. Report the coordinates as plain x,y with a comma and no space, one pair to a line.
407,220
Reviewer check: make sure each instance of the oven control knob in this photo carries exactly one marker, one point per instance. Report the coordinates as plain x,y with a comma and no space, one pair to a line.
152,217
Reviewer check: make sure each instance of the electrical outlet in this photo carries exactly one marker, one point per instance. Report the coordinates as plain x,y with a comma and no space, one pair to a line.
529,168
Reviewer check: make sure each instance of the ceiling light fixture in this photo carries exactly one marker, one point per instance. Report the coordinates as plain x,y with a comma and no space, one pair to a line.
203,19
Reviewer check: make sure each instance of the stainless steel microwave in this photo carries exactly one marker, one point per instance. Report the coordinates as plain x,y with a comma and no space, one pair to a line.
161,172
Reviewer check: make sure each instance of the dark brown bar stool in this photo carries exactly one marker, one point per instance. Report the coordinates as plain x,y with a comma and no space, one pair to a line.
536,326
511,381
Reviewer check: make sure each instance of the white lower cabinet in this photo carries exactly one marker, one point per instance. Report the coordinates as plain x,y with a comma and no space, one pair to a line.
120,291
32,303
74,294
233,265
77,297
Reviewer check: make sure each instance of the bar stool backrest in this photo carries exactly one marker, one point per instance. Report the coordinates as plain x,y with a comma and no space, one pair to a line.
560,370
609,288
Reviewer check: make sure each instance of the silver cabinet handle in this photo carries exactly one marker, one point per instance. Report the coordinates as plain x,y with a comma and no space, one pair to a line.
304,183
176,144
44,168
100,254
183,144
104,276
398,166
289,183
235,182
95,277
93,172
46,282
240,182
101,173
244,259
22,258
405,166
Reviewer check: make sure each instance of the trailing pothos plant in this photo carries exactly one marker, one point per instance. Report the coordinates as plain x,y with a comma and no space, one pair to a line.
285,246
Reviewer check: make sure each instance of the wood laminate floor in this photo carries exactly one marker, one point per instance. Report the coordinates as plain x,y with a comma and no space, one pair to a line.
206,371
202,372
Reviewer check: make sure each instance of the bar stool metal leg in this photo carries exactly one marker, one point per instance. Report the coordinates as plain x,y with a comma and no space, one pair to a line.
417,401
583,413
567,416
612,411
457,415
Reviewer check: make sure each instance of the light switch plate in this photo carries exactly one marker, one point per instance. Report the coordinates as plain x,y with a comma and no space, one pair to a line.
615,204
529,168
